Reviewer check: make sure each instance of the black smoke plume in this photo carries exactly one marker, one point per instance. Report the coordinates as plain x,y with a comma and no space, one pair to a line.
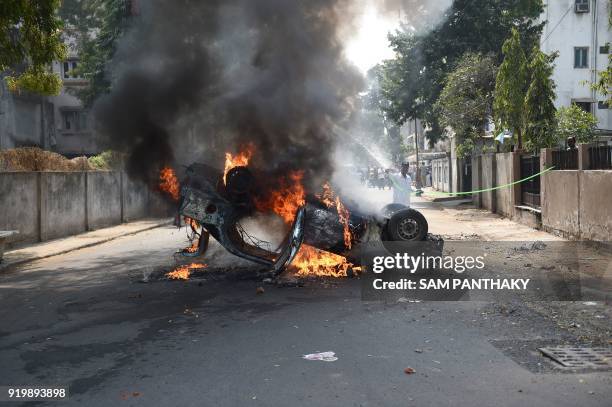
193,79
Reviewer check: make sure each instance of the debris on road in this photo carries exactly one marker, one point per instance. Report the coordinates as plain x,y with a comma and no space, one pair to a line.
260,290
409,370
322,356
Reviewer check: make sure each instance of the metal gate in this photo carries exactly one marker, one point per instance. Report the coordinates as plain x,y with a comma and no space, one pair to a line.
530,189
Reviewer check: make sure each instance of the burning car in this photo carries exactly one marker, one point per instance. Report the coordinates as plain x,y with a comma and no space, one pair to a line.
217,202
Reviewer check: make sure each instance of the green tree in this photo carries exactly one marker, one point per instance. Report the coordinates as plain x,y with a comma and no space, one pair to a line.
415,78
539,107
604,80
401,79
108,20
30,40
372,126
574,122
511,87
466,101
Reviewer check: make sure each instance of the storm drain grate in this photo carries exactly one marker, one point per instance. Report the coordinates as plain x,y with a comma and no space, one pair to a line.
576,357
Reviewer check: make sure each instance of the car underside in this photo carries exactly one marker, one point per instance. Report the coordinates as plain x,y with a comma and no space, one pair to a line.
218,202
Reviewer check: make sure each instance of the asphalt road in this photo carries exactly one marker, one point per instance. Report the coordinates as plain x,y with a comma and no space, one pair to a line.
85,320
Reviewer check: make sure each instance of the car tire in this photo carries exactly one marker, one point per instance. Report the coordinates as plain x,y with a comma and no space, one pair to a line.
407,225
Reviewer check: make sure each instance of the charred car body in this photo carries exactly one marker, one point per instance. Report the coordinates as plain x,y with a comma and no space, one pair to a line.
218,202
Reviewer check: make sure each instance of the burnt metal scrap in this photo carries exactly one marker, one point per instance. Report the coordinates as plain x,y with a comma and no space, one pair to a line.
218,204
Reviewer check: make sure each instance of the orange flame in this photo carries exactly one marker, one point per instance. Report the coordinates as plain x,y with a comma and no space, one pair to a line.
314,262
168,183
183,272
330,199
239,160
285,202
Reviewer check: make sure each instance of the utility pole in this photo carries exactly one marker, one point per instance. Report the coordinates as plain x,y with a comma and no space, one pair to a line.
416,145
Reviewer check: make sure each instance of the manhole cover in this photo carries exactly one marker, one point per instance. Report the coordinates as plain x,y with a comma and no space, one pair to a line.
577,357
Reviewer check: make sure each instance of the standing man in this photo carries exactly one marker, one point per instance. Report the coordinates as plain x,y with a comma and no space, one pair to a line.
402,186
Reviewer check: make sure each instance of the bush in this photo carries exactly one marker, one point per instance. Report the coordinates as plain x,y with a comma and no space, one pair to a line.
574,122
107,160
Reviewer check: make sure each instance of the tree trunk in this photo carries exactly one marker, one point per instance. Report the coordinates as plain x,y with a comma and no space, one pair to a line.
519,136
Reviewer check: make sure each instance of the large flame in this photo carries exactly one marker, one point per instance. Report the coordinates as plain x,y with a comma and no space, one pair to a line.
239,160
285,202
169,184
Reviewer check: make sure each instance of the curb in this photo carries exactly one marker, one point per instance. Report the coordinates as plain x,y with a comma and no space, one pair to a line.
4,268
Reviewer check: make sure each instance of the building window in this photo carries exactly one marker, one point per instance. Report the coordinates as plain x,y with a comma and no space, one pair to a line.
586,106
74,120
604,49
581,57
602,105
68,70
582,6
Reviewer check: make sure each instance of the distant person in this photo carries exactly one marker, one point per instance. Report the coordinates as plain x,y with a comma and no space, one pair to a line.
381,179
402,185
372,178
571,143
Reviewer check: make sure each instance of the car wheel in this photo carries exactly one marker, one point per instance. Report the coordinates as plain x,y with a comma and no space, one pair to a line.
407,225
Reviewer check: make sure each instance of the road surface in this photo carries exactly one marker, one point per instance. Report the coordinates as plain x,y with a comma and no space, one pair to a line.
86,320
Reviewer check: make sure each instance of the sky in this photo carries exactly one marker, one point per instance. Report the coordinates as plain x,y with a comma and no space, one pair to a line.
369,45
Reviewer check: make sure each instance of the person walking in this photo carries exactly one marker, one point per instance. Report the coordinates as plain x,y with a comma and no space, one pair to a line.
402,185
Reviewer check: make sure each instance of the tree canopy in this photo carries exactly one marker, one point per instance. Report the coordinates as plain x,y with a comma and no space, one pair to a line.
511,86
574,122
30,40
103,22
414,80
466,101
539,107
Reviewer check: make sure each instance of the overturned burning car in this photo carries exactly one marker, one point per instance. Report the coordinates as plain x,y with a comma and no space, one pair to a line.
217,202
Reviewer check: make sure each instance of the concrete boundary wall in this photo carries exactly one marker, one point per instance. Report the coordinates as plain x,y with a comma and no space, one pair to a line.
560,209
50,205
20,204
578,204
574,203
488,180
441,174
505,174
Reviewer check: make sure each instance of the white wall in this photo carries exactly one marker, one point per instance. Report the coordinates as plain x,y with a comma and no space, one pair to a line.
566,29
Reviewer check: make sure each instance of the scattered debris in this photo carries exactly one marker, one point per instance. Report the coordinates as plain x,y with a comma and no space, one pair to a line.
409,370
322,356
260,290
404,299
